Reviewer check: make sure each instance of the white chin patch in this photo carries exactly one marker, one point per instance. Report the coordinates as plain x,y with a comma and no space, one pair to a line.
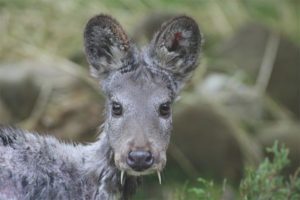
135,173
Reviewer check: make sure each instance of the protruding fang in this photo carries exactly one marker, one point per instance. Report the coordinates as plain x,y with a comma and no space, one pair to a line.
159,177
122,176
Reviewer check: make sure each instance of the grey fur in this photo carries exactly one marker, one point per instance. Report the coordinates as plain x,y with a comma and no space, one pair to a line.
39,167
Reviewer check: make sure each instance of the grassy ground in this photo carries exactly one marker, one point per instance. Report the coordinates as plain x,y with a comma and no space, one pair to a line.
55,27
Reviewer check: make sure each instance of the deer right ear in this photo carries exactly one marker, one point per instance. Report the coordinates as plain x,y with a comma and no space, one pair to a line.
176,47
107,46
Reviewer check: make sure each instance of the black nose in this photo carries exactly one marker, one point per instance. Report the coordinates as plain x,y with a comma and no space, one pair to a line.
139,160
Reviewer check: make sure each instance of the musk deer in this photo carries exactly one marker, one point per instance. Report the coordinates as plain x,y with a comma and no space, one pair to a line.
140,89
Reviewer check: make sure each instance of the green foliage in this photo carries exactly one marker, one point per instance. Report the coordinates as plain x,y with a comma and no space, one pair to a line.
265,183
206,191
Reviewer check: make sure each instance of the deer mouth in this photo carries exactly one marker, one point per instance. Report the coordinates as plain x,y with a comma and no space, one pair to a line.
126,169
135,173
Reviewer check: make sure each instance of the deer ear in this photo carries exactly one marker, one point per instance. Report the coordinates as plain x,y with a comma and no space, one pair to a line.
176,47
107,46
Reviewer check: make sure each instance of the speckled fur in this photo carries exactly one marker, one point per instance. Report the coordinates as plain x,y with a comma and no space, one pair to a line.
41,167
35,167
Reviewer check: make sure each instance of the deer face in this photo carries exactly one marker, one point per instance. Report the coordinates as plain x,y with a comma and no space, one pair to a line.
139,117
141,87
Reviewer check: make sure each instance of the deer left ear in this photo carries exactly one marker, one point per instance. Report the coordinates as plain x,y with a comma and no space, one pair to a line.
107,46
176,47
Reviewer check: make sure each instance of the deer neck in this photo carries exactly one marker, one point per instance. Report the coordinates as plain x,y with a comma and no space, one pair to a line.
101,169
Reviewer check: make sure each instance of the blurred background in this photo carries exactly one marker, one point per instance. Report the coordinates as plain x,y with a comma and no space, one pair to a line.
244,95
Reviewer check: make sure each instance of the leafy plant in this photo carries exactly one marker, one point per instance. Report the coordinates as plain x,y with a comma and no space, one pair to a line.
265,183
206,191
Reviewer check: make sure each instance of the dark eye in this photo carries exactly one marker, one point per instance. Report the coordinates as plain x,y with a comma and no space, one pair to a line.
165,110
117,109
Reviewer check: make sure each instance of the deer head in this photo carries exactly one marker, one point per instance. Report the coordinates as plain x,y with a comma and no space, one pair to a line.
141,87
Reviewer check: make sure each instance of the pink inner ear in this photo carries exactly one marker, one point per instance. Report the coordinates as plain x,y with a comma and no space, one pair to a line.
176,39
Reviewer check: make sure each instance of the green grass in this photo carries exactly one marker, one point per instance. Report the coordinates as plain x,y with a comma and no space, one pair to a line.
55,27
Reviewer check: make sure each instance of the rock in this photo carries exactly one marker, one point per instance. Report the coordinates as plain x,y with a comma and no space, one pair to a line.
209,139
37,71
18,93
5,117
236,96
246,51
284,85
74,116
46,97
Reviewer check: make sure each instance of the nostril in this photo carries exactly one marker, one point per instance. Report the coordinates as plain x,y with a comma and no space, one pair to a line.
130,157
149,158
140,160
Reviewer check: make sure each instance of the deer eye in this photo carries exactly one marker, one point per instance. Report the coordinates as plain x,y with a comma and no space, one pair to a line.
165,109
117,109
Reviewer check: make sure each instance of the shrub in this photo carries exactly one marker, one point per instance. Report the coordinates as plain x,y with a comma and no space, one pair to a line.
267,182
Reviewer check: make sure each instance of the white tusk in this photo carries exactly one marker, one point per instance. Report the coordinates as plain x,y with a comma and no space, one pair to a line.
122,176
159,177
